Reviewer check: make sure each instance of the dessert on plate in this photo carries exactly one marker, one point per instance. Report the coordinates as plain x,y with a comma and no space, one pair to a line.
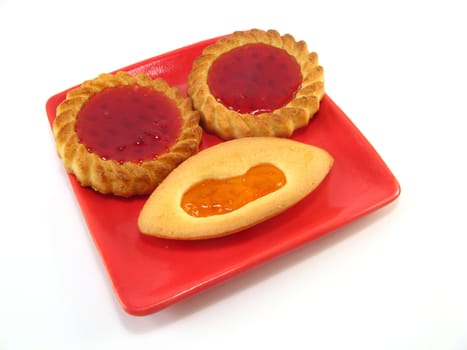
256,83
122,134
232,186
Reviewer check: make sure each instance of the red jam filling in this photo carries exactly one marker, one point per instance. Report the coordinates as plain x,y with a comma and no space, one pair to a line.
128,123
254,78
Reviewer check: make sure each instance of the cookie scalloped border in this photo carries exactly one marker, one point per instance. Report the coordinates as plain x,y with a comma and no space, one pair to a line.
282,122
109,176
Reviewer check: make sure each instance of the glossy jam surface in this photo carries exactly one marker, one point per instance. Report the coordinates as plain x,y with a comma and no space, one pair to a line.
220,196
128,123
254,78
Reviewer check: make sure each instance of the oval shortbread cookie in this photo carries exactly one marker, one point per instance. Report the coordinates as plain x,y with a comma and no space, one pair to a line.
303,167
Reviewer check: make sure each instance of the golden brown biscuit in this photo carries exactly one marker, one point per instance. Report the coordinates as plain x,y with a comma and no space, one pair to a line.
122,134
256,83
303,167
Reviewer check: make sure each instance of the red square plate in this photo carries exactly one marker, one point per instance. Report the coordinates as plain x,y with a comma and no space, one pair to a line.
149,274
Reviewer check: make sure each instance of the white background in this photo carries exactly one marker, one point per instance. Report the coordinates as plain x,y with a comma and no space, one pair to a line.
395,279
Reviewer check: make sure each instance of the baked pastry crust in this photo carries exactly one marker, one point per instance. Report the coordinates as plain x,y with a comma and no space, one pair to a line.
228,124
304,166
110,176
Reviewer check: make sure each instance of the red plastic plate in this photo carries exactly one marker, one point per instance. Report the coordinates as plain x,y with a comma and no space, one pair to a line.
149,274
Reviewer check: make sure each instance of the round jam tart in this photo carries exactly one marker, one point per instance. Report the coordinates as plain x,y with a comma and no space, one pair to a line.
256,83
122,134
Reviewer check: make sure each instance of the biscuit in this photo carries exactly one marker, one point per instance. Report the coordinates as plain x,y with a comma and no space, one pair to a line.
122,134
256,83
303,166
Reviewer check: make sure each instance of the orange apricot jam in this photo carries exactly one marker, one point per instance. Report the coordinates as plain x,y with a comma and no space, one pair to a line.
221,196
